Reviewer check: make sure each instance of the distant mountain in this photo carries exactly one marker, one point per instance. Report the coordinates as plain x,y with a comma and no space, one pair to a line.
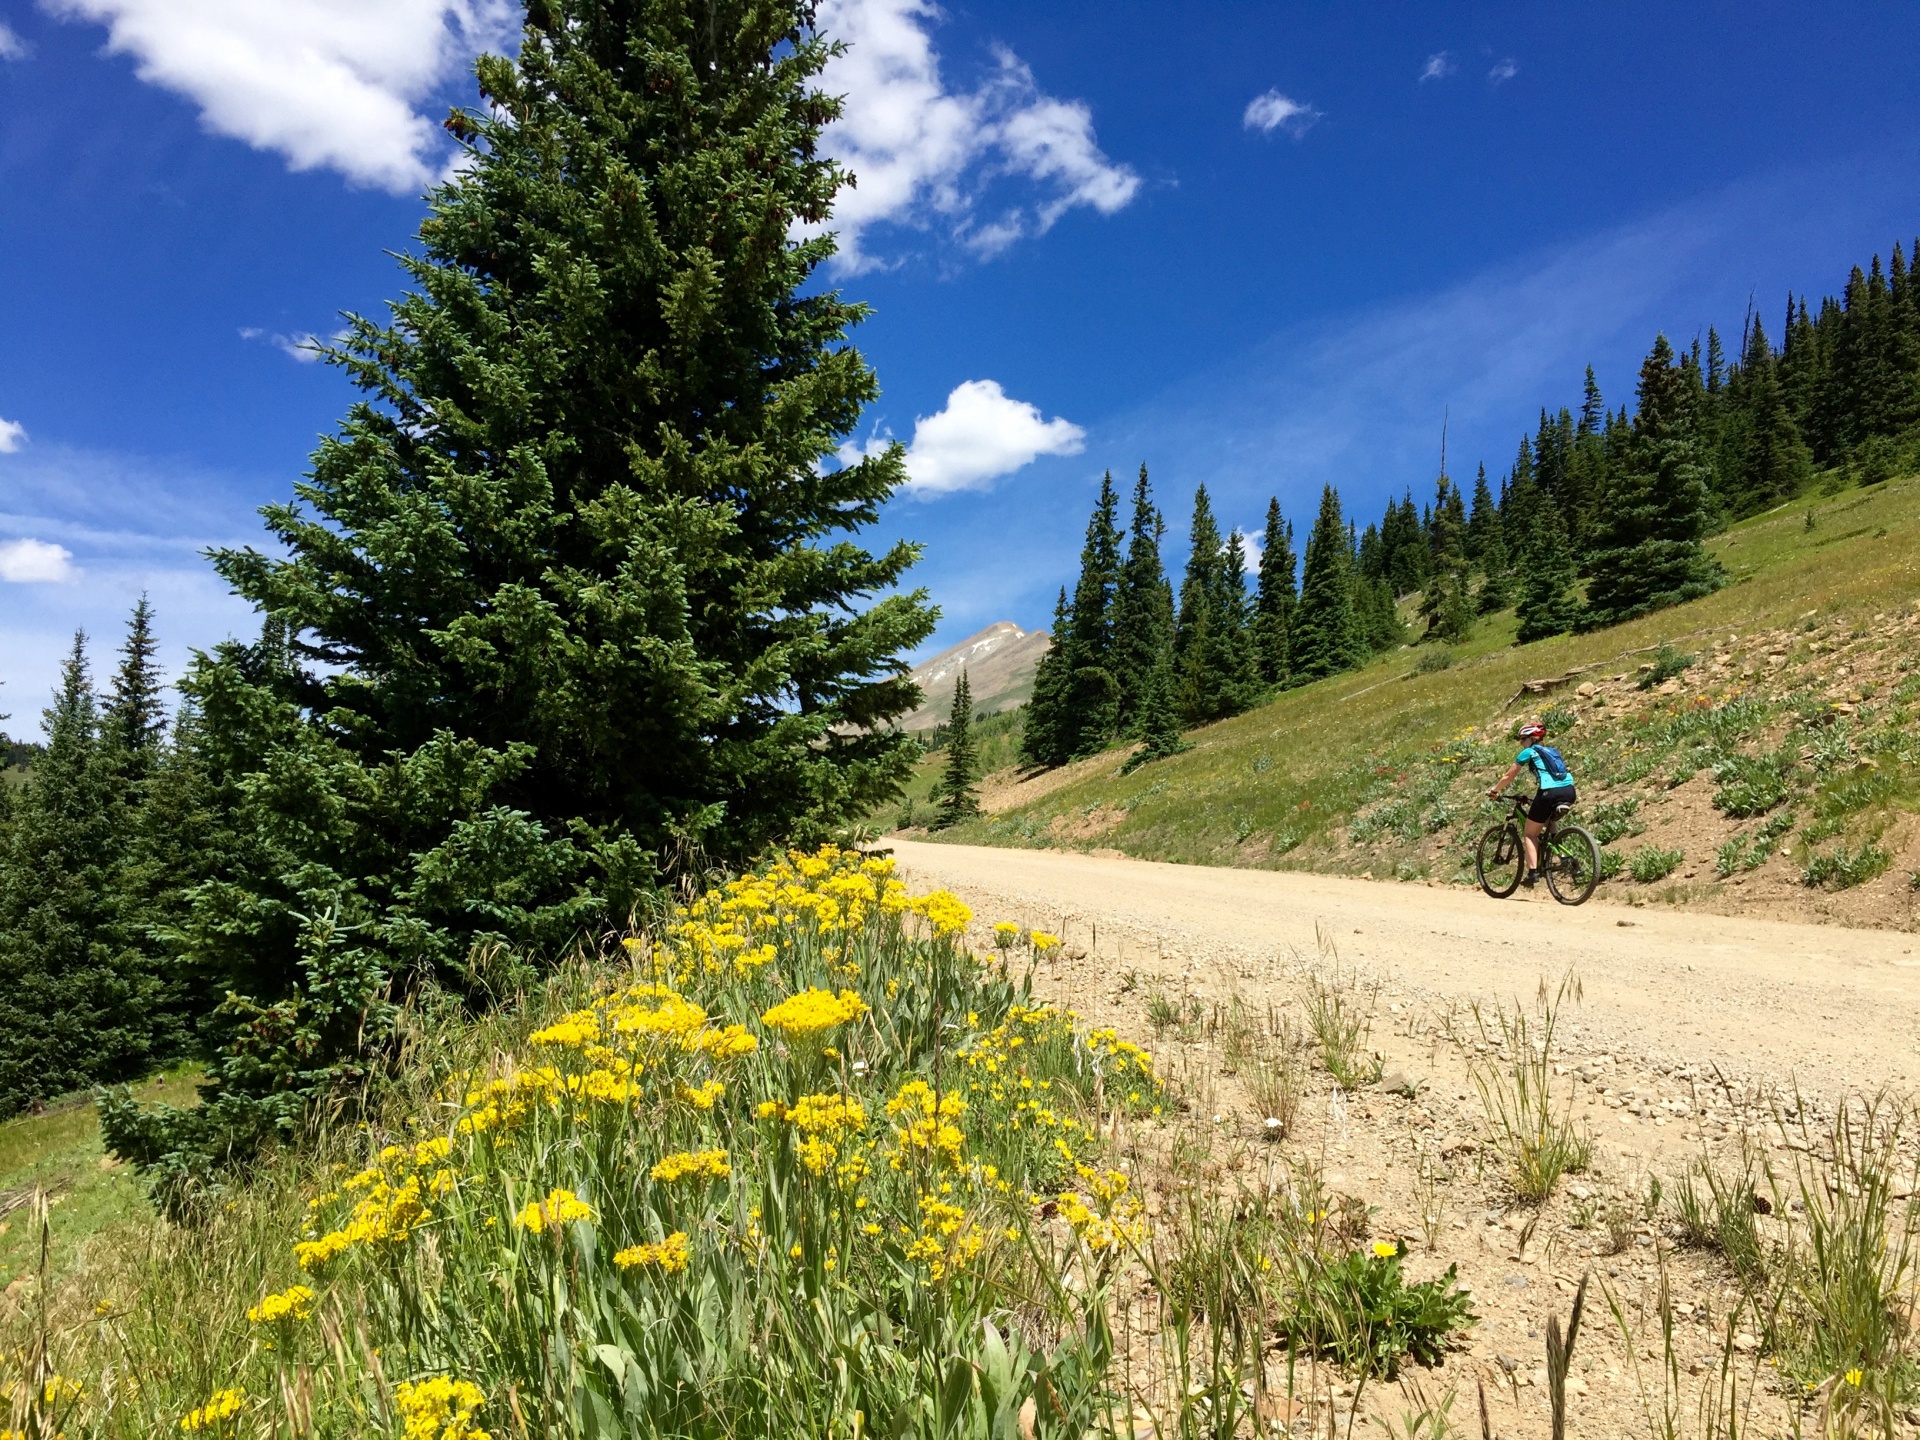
999,662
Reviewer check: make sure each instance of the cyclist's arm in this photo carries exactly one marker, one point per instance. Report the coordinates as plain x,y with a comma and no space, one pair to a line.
1505,780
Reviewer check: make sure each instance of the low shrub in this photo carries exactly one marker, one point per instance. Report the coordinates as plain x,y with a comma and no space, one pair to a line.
1433,658
1652,862
1667,663
1842,867
1753,784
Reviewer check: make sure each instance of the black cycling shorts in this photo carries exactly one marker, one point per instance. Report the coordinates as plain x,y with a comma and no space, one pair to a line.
1548,802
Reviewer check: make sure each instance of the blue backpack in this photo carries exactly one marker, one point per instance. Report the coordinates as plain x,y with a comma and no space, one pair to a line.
1550,757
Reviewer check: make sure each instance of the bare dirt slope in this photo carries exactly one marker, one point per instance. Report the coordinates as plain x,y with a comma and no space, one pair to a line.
1832,1008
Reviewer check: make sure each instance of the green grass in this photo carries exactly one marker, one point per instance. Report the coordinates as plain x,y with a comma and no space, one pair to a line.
59,1151
1359,772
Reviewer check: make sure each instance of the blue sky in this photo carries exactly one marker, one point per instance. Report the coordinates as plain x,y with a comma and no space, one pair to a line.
1260,246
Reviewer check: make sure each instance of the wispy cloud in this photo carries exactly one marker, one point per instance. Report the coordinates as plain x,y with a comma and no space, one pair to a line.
926,155
303,345
12,47
12,436
1274,111
1438,67
1503,71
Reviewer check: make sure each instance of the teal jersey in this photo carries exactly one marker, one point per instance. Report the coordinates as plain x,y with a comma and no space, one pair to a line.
1542,771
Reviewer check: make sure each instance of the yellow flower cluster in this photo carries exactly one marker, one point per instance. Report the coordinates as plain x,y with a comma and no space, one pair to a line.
1112,1218
398,1190
944,911
669,1256
925,1124
561,1207
219,1408
1043,942
440,1409
701,1164
294,1303
944,1241
813,1012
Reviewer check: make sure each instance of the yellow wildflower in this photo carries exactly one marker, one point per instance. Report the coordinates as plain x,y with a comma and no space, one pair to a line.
669,1256
559,1208
220,1407
813,1012
1385,1249
440,1409
1043,942
705,1164
294,1303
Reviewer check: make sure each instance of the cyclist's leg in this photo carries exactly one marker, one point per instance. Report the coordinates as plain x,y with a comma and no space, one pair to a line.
1530,842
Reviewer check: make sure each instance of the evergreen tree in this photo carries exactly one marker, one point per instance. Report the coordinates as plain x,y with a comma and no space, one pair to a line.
1044,740
1547,604
957,799
1200,587
1215,664
1648,552
1325,636
135,720
1768,462
1159,729
1376,617
1142,609
1445,606
1496,585
1483,520
570,599
1404,542
1090,716
71,1013
1277,596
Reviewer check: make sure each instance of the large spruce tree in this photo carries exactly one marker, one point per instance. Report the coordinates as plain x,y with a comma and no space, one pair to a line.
570,598
1092,711
1648,552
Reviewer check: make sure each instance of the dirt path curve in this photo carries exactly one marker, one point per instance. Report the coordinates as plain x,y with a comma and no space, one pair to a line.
1832,1008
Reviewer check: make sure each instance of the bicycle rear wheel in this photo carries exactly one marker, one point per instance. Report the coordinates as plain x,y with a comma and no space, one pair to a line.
1500,861
1573,865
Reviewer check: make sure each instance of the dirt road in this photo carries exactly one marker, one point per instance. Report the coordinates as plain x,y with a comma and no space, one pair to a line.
1832,1008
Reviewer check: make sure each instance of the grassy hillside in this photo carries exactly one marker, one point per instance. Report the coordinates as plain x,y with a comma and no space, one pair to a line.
1799,686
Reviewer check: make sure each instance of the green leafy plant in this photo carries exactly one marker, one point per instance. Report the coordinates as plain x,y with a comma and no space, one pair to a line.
1433,658
1360,1311
1753,784
1843,867
1611,864
1614,819
1653,862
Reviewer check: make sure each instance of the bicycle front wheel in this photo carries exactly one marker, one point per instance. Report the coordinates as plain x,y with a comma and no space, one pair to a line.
1573,866
1499,862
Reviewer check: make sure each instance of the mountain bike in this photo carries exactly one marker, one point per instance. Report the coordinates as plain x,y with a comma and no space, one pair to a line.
1569,856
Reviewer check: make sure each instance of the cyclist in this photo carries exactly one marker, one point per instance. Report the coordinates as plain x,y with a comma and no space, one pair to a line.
1555,788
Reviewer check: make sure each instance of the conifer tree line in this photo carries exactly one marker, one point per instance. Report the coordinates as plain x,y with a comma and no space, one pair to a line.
1619,501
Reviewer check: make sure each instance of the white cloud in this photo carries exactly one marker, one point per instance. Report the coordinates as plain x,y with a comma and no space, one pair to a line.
1274,111
12,436
35,562
12,47
980,435
1438,67
326,83
923,152
1503,72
